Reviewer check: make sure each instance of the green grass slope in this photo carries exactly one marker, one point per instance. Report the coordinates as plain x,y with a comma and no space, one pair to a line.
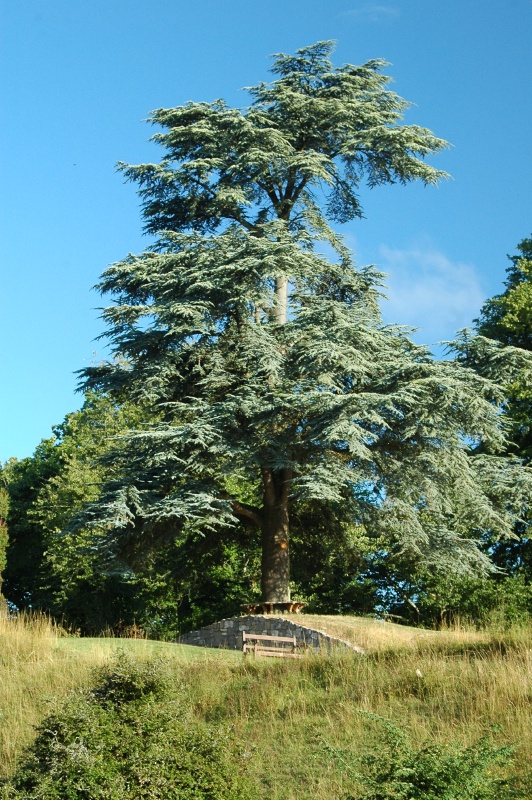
437,702
375,636
39,667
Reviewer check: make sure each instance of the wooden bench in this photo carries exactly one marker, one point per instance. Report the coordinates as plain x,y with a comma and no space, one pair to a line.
266,645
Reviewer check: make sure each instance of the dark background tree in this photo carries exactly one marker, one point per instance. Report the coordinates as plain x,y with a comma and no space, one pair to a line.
507,317
187,583
4,506
53,572
24,556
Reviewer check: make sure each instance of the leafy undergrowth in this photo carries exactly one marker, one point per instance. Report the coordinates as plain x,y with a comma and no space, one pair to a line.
132,736
451,722
39,666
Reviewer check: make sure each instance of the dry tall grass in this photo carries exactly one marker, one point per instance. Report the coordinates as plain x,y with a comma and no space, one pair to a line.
39,666
448,687
444,687
33,671
376,636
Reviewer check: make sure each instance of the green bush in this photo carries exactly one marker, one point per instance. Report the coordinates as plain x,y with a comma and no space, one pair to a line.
500,601
397,769
127,681
130,738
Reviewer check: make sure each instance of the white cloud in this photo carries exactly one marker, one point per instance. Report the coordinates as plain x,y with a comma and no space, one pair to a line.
428,291
373,12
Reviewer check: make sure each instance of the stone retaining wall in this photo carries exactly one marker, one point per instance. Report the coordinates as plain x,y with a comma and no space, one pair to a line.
228,633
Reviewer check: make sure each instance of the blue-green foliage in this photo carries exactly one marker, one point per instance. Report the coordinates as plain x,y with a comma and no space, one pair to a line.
268,363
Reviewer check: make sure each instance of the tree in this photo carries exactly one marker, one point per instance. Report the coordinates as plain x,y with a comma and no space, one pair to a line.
186,583
4,506
277,382
58,573
507,317
23,481
75,583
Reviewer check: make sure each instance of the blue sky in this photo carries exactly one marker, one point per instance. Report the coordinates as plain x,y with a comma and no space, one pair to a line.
79,76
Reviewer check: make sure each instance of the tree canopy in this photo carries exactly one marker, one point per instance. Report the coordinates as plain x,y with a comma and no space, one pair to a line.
507,317
4,506
316,129
276,381
48,569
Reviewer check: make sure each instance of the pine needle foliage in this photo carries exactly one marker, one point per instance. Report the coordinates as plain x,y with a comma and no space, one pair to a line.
277,381
507,317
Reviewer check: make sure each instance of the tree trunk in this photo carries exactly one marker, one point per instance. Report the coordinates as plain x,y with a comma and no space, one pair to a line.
281,298
275,530
275,571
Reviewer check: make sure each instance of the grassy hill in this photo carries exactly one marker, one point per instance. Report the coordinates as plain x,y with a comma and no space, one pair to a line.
375,636
310,728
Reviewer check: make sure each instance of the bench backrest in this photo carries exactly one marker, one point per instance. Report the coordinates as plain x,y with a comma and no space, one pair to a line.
263,645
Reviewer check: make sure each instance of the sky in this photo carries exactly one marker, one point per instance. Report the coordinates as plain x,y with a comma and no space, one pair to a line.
79,78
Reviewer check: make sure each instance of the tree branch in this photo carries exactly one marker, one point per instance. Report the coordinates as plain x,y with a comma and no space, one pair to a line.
270,192
247,512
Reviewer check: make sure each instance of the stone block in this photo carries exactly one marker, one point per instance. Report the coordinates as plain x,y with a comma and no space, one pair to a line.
227,633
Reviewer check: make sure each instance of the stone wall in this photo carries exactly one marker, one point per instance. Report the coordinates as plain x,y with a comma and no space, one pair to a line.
228,633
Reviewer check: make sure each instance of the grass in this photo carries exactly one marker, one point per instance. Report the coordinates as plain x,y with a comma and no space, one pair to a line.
39,666
454,687
303,722
375,636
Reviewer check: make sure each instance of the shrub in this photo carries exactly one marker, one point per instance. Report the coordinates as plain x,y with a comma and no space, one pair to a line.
130,738
397,769
128,681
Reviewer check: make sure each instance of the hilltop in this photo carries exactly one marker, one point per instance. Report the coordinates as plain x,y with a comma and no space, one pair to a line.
299,729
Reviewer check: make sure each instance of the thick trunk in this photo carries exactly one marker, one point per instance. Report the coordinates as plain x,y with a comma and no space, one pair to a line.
275,556
275,530
281,301
275,518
